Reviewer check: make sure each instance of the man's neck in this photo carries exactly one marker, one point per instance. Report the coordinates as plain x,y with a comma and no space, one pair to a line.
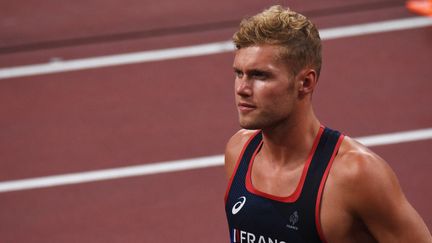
290,143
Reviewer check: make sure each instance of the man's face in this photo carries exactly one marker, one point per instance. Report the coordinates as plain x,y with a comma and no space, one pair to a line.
265,89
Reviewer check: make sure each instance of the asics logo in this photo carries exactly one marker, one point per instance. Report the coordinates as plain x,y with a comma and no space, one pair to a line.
238,206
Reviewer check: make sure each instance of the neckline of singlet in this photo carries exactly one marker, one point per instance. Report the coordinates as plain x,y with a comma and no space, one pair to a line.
296,194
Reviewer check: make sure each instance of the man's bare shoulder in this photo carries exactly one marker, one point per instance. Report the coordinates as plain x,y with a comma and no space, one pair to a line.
240,137
355,161
369,190
358,169
234,147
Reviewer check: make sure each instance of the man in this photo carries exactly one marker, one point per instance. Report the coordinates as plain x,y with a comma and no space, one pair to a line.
292,179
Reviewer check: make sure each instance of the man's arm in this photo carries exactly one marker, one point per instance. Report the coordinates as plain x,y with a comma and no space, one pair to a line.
233,149
378,201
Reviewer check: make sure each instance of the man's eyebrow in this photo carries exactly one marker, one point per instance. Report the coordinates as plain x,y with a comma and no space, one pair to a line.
256,71
253,70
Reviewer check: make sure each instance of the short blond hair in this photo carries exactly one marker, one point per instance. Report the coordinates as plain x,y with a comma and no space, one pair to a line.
298,36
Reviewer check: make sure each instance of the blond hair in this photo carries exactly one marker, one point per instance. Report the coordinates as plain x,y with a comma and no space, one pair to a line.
298,37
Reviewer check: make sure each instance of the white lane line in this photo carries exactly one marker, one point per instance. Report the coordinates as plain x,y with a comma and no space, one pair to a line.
377,27
397,137
116,60
198,50
180,165
110,174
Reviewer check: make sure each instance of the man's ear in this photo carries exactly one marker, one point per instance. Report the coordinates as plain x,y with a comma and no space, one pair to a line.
308,79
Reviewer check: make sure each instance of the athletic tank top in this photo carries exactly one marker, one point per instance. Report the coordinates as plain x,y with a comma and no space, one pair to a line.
256,217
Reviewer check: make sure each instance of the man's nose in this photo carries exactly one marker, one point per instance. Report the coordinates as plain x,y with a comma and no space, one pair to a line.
244,86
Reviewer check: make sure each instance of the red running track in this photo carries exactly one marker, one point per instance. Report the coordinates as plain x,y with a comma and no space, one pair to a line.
168,110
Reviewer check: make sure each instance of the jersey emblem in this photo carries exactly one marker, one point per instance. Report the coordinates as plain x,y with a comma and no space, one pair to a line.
238,205
293,219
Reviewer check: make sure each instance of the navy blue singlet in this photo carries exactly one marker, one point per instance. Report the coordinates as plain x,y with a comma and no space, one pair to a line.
256,217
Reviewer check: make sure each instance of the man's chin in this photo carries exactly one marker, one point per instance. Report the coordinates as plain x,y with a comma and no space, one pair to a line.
249,126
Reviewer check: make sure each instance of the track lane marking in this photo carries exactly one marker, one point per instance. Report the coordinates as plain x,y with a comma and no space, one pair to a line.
180,165
198,50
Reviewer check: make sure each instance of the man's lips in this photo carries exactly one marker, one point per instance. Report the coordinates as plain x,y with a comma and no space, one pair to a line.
243,106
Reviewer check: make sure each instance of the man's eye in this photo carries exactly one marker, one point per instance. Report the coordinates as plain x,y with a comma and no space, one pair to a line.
259,75
238,74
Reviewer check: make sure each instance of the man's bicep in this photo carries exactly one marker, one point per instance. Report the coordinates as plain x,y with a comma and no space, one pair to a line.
382,206
233,150
229,160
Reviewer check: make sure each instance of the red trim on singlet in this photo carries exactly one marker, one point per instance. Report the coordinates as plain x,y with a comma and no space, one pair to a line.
296,194
237,164
321,190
